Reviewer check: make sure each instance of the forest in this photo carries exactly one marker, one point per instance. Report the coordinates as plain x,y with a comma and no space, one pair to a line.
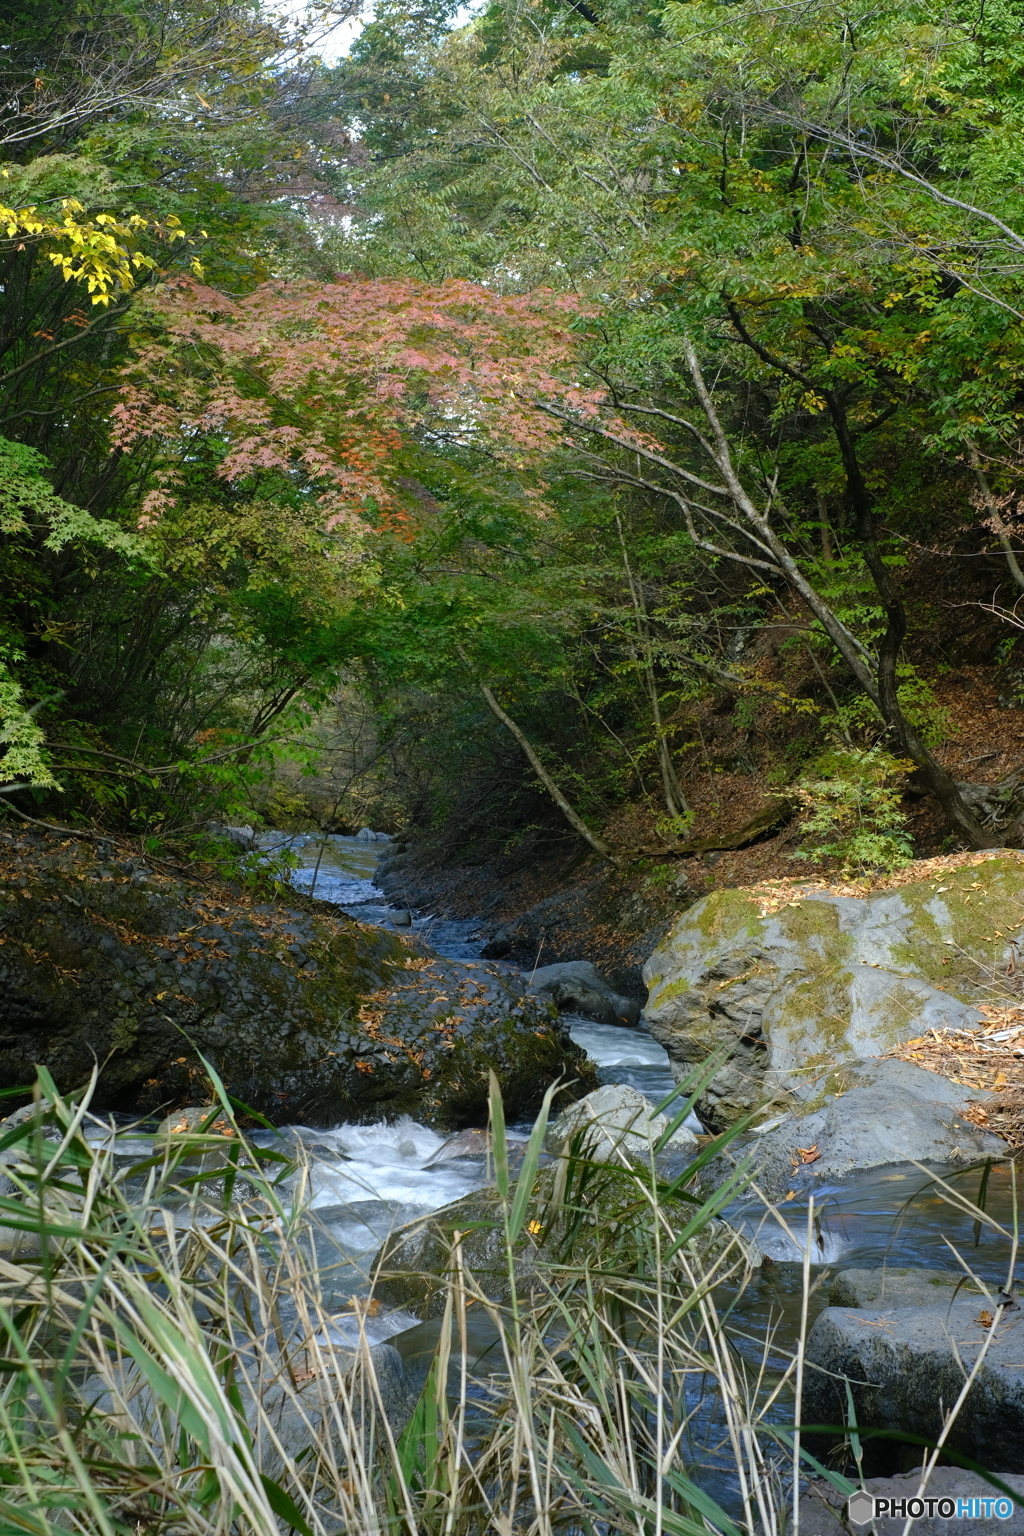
579,444
649,380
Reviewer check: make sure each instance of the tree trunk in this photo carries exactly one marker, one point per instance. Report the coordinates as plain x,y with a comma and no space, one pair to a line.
675,800
905,738
576,822
881,686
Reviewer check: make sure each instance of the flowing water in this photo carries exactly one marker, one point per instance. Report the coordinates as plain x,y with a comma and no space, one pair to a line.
365,1180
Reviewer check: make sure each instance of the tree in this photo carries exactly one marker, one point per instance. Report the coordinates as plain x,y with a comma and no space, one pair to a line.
724,188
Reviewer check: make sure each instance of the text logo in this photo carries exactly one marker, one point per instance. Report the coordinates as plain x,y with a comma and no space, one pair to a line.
862,1507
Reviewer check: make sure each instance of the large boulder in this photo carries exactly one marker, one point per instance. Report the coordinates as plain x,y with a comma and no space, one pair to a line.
576,986
891,1112
894,1286
797,995
328,1393
306,1014
577,1217
905,1368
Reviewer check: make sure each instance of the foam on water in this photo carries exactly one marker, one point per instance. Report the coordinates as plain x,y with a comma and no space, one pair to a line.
386,1163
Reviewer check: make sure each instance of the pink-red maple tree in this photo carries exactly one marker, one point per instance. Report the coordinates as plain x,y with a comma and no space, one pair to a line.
320,381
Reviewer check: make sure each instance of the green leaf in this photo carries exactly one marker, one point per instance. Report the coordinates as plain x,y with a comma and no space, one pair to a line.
284,1505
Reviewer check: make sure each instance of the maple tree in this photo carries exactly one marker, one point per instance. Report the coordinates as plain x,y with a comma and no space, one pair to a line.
322,380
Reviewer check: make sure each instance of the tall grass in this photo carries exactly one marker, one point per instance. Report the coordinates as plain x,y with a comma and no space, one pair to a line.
169,1365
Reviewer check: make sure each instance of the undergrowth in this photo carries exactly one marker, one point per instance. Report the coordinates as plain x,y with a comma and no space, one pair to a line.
170,1365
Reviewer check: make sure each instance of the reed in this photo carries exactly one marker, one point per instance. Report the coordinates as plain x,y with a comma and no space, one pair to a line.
170,1365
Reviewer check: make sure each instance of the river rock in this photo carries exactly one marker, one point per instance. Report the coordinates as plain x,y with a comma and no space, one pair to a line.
891,1112
798,995
307,1015
576,986
619,1122
242,838
595,1225
202,1130
891,1286
287,1417
367,835
824,1512
905,1365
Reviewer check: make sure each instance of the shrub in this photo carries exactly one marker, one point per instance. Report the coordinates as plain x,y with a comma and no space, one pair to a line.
853,810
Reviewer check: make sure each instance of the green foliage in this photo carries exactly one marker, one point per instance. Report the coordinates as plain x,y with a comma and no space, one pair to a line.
853,811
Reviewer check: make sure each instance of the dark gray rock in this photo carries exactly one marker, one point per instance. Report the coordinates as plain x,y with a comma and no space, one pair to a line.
892,1112
906,1366
823,1509
890,1286
307,1015
576,986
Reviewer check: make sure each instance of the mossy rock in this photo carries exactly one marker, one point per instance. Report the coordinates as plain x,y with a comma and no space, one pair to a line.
306,1014
579,1216
796,995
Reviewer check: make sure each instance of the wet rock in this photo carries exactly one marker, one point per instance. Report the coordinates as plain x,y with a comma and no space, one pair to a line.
201,1130
906,1366
367,835
306,1014
799,995
619,1123
572,1221
890,1286
469,1143
576,986
892,1112
242,838
824,1512
294,1418
402,918
286,1415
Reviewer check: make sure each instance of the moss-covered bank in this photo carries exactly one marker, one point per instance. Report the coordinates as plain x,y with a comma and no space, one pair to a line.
306,1014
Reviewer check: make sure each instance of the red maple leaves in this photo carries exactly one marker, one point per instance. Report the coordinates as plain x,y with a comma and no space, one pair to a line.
320,381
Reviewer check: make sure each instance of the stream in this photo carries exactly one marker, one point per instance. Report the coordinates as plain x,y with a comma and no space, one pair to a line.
382,1175
365,1180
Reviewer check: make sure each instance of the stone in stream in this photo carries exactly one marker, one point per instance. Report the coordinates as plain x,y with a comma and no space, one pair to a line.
288,1414
184,1129
576,986
577,1217
891,1112
797,996
618,1122
892,1286
823,1508
906,1367
473,1142
307,1015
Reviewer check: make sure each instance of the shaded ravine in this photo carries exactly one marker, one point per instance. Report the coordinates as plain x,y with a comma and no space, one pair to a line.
365,1180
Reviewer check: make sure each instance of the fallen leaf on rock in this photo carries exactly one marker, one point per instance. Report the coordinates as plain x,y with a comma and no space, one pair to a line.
808,1154
985,1319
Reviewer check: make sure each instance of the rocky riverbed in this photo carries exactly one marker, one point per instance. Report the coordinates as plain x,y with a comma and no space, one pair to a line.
807,997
